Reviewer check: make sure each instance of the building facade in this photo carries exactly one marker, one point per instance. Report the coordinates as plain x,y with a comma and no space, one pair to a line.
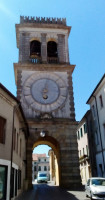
83,149
44,87
97,106
12,145
40,163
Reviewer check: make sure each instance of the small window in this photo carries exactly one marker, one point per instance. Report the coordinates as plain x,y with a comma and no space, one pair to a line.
101,101
78,135
2,130
35,168
81,132
87,150
85,128
39,159
45,168
45,160
39,169
80,153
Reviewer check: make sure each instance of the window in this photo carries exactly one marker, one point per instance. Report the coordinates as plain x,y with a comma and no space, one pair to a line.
3,181
35,168
101,101
2,130
39,159
45,168
45,160
87,150
80,153
85,128
39,169
19,179
81,132
78,135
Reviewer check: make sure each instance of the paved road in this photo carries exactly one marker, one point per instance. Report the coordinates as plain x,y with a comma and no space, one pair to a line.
50,192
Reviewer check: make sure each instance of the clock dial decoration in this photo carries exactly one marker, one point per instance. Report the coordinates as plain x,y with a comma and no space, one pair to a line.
45,92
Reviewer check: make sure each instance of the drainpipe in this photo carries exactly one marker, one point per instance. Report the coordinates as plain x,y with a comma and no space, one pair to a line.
14,109
100,132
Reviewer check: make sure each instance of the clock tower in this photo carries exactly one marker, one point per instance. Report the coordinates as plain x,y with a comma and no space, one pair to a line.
44,87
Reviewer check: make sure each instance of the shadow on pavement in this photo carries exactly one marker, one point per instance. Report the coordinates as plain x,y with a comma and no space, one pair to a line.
47,192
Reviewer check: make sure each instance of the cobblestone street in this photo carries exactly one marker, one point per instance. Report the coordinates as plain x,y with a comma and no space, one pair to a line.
50,192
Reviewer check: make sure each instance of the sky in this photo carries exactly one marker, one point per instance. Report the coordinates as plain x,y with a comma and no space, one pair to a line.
86,41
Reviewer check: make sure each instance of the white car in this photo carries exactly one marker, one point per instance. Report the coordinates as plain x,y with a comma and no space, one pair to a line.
95,188
42,177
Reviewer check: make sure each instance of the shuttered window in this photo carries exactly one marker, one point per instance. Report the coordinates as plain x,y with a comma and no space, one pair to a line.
2,130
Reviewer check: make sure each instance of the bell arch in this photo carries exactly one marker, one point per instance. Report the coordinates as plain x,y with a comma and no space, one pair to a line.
50,141
35,48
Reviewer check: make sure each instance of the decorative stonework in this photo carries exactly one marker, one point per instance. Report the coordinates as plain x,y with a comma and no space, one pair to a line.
46,20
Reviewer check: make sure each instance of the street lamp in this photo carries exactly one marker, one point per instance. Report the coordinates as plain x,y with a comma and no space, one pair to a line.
42,134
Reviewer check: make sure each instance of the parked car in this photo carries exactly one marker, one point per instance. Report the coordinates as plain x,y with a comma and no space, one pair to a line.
42,177
95,188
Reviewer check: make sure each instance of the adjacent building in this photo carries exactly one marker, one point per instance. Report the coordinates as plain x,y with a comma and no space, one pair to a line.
40,163
83,149
97,106
13,136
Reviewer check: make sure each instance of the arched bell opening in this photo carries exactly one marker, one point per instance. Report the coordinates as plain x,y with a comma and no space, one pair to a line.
35,51
52,52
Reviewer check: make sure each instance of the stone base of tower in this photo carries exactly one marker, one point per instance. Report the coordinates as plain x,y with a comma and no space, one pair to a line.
61,137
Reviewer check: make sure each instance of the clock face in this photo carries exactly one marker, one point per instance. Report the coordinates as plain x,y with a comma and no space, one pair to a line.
45,92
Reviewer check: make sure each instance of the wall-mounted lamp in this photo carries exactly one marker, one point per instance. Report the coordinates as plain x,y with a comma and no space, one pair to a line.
42,134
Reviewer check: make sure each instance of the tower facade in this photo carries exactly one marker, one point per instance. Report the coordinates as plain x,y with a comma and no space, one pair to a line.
44,87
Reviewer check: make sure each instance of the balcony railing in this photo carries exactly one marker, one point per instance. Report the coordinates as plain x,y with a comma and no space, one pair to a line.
36,60
52,59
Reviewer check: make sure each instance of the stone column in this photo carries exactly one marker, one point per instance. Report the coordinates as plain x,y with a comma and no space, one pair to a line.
24,47
61,48
43,48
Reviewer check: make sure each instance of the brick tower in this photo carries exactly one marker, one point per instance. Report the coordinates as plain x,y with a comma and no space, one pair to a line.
44,86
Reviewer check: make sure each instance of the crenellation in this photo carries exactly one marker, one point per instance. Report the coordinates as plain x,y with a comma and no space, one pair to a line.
45,20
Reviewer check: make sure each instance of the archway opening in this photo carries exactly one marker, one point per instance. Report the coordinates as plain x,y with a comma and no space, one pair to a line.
52,53
35,48
45,159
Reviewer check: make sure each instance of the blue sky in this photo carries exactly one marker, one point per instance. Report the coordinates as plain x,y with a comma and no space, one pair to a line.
86,41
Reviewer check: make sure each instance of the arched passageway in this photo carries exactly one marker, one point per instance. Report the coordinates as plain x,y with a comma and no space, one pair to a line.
50,141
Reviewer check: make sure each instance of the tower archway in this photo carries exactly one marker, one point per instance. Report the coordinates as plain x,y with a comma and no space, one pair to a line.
50,141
